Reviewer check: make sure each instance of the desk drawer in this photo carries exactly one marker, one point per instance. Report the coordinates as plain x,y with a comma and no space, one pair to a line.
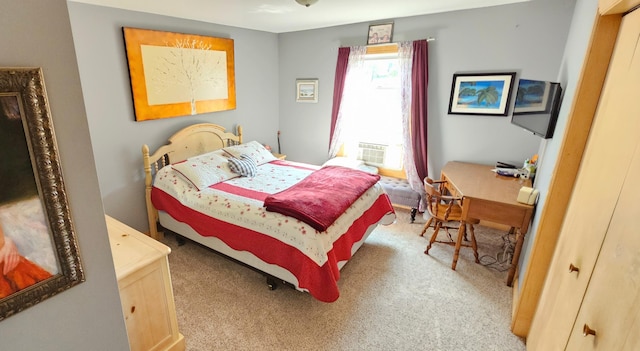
512,216
453,191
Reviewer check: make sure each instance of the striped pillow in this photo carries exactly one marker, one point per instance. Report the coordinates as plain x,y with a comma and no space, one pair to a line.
244,166
253,149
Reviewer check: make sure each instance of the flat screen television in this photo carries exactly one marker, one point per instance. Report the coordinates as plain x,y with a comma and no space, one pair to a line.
537,106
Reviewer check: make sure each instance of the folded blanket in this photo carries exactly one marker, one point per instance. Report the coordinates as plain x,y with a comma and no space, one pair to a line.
320,198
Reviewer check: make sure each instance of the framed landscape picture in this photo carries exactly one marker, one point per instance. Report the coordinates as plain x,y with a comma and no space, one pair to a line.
481,93
307,90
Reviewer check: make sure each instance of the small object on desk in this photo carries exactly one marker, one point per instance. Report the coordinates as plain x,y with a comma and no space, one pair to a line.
508,172
524,173
504,165
530,167
528,195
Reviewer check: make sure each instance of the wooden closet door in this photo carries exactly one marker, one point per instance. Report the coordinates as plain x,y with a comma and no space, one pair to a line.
607,157
611,305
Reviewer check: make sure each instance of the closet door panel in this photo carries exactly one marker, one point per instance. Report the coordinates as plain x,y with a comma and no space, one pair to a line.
602,172
612,303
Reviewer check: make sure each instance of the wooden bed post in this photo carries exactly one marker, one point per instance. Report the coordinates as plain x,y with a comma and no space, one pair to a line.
152,213
239,134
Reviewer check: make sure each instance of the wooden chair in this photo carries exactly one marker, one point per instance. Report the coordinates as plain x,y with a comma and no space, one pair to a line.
446,213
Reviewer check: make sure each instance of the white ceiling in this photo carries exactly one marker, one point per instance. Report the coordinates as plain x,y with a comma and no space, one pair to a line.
280,16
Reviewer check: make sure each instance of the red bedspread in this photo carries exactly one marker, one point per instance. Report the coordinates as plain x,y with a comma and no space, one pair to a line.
320,281
233,212
323,196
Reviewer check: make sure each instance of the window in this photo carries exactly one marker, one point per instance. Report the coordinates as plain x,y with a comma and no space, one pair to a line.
373,118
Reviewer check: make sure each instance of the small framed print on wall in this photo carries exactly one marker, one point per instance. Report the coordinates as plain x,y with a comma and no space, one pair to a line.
306,90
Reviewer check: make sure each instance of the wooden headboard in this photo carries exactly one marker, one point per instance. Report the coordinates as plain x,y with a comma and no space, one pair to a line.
191,141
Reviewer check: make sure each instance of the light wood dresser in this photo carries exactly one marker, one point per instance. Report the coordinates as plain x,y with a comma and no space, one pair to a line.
142,269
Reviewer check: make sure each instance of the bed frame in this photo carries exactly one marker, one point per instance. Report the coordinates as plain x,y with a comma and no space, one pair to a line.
195,140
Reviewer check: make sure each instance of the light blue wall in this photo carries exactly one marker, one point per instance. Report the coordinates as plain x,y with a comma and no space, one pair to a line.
527,38
569,74
117,138
87,316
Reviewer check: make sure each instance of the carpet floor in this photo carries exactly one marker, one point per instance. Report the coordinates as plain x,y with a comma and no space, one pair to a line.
392,297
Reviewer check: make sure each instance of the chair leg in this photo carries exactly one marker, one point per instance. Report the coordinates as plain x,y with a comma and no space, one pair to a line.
461,233
433,237
426,226
474,244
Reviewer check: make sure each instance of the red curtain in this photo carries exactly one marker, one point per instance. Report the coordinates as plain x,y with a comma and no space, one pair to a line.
338,87
419,83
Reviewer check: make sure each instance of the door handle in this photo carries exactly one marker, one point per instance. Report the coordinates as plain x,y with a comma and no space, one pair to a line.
573,268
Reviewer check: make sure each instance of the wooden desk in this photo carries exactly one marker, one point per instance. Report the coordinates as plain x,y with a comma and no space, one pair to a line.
490,197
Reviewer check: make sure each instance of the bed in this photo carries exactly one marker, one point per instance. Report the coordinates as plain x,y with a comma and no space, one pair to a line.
190,192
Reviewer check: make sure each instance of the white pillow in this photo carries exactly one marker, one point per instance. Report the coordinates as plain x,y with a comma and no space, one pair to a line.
253,149
344,162
205,170
351,163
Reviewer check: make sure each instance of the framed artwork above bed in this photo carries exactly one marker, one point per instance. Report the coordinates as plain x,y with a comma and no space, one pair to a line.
174,74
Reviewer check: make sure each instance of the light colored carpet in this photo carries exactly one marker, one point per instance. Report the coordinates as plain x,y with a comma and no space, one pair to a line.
392,297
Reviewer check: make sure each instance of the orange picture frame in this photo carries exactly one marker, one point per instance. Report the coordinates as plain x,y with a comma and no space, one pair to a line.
175,74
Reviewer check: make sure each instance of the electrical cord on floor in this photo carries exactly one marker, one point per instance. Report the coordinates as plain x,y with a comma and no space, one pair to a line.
502,261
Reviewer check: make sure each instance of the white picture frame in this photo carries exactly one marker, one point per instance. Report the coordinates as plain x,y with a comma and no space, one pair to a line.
307,90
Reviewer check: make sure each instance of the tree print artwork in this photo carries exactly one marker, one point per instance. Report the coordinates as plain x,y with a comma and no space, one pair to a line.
176,74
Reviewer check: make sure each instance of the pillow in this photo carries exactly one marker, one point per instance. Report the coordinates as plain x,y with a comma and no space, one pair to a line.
244,166
205,170
351,163
368,169
253,149
344,162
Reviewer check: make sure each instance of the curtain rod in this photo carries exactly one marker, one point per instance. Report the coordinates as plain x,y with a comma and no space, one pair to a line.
396,43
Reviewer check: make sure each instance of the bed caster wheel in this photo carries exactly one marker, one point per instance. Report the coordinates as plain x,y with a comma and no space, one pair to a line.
272,284
180,240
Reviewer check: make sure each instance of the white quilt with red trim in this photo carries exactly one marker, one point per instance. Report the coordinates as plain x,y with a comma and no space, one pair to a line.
233,211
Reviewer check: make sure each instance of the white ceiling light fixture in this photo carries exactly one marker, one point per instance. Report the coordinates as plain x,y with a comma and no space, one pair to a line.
306,3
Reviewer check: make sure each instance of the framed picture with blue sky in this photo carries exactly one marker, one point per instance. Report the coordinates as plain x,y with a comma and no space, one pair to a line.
481,93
